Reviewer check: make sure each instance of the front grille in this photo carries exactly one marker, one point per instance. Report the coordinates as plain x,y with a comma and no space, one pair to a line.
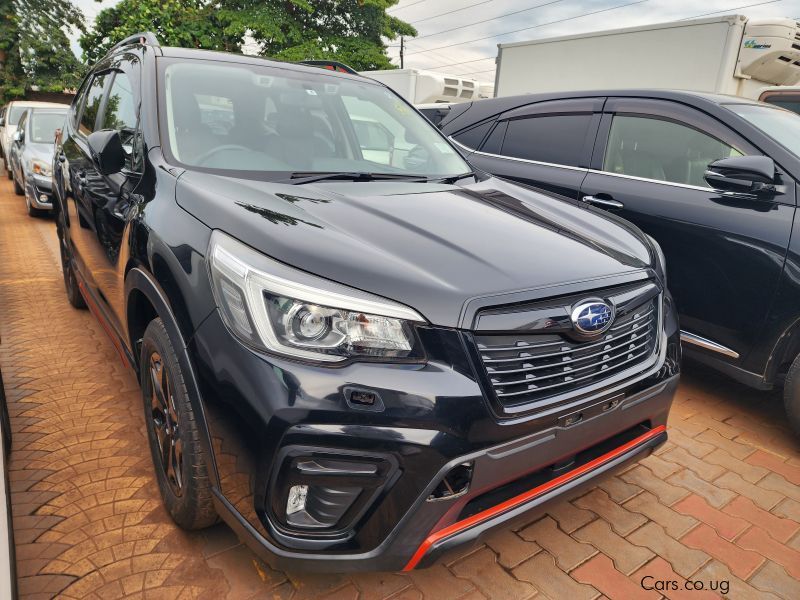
524,368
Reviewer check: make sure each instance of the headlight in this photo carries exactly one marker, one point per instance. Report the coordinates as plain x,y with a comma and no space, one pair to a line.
39,167
661,262
271,306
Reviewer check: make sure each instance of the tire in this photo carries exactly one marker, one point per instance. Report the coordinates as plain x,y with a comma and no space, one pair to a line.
70,280
18,189
791,395
178,456
9,173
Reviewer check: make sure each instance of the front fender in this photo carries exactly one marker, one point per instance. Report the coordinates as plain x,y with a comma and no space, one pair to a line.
143,282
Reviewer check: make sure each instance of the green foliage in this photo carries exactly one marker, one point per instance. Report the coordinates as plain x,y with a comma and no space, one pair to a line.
350,31
183,23
33,37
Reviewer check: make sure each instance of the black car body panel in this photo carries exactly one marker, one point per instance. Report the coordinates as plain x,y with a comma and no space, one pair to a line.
419,246
730,259
463,255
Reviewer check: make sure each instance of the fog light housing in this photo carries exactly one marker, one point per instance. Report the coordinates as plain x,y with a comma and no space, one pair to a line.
318,493
42,198
297,499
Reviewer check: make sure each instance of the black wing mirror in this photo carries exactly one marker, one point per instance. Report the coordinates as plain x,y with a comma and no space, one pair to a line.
750,175
107,152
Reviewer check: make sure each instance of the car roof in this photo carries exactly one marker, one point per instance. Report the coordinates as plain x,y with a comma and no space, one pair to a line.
35,104
483,109
228,57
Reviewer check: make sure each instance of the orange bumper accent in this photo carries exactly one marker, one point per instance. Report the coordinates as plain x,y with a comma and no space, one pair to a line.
516,501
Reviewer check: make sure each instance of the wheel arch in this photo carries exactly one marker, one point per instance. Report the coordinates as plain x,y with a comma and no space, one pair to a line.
783,354
146,300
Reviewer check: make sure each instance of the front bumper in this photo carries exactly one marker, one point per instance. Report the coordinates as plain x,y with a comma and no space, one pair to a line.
263,412
39,193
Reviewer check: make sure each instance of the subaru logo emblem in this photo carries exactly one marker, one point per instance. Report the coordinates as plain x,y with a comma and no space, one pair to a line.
592,317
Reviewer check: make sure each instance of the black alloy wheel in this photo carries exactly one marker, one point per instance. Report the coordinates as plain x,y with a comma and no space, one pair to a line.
165,423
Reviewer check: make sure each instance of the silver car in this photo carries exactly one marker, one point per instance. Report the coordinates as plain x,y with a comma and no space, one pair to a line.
9,118
31,156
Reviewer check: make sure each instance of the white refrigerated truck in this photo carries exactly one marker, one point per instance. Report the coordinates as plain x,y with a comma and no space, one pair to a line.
419,86
728,55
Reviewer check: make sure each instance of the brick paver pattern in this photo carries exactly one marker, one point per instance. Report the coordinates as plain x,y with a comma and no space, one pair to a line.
720,501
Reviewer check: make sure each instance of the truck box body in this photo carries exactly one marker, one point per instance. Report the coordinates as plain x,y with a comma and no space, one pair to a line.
726,55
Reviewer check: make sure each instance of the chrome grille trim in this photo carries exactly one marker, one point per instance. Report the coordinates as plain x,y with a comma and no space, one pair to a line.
539,368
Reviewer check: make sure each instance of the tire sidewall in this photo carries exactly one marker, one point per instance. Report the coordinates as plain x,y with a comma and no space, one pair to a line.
184,509
791,396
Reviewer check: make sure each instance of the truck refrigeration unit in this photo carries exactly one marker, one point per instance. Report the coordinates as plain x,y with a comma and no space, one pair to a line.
728,55
426,87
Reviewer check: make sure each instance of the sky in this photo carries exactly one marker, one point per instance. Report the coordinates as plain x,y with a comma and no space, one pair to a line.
461,36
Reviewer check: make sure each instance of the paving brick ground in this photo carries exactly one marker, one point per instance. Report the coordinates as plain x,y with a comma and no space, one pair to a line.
721,501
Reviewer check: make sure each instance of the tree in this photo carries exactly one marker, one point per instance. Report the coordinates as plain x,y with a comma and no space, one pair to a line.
351,31
183,23
33,39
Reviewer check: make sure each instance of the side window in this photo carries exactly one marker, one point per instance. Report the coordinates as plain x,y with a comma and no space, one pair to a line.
557,139
120,114
472,137
91,105
494,143
663,150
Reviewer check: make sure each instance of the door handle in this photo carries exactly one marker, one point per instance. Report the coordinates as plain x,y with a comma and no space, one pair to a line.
607,202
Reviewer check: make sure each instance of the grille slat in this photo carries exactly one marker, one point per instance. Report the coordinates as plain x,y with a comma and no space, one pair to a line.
567,349
572,371
529,367
575,380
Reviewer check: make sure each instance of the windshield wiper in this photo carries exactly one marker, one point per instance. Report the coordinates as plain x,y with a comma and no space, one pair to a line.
300,178
454,178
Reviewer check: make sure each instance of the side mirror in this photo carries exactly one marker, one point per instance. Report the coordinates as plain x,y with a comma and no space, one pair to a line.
18,135
748,175
107,152
2,121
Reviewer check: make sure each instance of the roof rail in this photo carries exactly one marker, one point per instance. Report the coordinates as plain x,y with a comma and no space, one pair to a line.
330,65
144,38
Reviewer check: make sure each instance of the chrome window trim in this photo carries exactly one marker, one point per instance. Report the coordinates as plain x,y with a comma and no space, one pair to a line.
701,342
524,160
582,169
648,180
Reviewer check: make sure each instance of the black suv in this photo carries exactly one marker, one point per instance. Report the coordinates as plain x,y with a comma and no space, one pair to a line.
713,179
352,349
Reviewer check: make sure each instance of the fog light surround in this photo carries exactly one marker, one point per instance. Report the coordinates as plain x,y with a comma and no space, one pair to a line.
319,493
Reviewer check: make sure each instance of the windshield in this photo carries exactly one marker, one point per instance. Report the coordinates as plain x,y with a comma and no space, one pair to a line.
781,125
267,119
43,126
14,113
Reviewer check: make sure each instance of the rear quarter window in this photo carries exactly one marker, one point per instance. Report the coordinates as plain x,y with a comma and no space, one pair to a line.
557,139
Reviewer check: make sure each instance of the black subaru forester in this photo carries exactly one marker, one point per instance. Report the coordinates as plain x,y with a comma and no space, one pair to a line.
352,349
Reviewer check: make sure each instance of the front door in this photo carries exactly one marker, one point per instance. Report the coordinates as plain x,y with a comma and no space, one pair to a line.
724,254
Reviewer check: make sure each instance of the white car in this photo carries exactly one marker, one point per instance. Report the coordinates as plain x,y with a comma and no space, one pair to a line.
9,120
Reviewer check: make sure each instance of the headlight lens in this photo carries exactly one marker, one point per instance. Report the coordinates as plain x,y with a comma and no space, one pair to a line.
274,307
661,262
39,167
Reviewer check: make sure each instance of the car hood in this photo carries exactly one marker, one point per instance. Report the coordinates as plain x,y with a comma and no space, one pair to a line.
39,151
444,250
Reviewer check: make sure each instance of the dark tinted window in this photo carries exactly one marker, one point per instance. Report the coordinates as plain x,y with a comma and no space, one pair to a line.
473,137
557,139
494,143
92,105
